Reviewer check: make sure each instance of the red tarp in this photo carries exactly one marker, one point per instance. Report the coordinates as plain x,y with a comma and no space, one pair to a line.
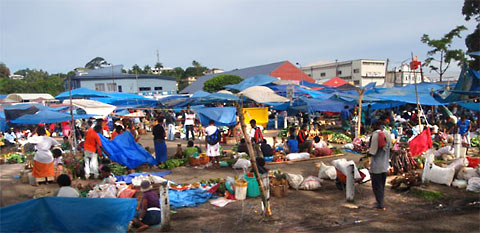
335,82
421,143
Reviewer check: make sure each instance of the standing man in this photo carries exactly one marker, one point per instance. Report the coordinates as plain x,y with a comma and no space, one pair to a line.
345,116
256,137
212,139
92,147
189,123
158,132
380,144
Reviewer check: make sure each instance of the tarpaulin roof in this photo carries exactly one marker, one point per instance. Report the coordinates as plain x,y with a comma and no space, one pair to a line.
335,82
257,80
81,92
325,105
223,116
45,117
12,112
314,86
262,94
472,106
407,94
125,151
92,107
66,214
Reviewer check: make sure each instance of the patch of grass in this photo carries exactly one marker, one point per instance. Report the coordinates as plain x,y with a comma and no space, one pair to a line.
427,195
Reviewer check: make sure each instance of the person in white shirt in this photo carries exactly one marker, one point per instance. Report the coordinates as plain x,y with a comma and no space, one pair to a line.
65,190
212,139
43,158
189,123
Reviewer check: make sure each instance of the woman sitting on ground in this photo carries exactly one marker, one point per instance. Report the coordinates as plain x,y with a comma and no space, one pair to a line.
242,147
320,147
65,190
191,149
292,144
148,213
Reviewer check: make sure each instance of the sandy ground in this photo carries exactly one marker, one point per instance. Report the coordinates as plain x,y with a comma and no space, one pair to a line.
301,211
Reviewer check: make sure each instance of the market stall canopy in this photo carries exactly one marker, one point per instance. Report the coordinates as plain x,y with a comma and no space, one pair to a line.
223,116
46,117
257,80
335,82
66,214
92,107
81,92
325,105
261,94
127,114
22,97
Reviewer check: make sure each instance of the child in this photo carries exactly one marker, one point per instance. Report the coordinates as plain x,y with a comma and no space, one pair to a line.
292,144
65,190
148,212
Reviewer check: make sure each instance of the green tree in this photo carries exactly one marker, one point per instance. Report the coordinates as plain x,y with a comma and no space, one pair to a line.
218,82
471,9
442,47
96,63
135,70
158,65
4,71
147,69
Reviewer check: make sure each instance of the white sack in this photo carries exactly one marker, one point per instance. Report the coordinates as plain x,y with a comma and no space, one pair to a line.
298,156
461,184
458,164
311,183
327,172
441,175
466,173
474,185
342,164
242,164
294,180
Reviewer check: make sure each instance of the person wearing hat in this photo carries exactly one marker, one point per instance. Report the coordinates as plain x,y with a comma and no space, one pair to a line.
148,212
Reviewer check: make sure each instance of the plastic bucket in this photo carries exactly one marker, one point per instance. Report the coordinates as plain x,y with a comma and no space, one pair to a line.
253,190
241,189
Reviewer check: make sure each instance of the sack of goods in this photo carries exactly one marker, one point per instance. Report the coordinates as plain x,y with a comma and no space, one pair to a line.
311,183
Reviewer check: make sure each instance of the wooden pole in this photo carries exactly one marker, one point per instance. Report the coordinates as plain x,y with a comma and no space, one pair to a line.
418,104
359,121
72,124
266,204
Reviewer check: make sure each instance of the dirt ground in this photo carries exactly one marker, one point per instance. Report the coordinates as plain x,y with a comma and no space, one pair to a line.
301,211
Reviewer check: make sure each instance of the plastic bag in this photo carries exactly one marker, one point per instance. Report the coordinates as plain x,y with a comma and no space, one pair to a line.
298,156
230,184
327,172
342,164
466,173
441,175
242,164
461,184
311,183
474,185
294,180
349,146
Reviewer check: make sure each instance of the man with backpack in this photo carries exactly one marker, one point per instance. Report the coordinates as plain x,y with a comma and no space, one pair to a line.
212,139
257,137
380,145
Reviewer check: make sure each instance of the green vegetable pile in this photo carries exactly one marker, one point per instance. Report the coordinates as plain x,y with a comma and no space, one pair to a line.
283,133
475,141
118,169
338,138
173,163
16,158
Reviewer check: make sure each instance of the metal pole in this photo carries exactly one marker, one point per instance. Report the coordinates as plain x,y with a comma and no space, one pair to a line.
418,105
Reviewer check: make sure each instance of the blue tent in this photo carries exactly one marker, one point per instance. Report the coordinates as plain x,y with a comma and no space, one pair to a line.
325,105
202,97
46,117
257,80
3,122
311,85
125,151
472,106
67,214
81,93
223,116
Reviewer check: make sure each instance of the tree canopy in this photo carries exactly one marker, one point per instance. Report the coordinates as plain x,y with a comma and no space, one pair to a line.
96,63
218,82
471,9
442,48
4,71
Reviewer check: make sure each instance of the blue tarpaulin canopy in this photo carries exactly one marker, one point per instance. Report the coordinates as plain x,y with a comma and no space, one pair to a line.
472,106
325,105
46,117
125,151
223,116
67,214
81,92
257,80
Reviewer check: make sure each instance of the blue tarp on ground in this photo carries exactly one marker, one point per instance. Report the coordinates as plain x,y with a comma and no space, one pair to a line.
188,198
46,117
257,80
81,92
125,151
66,214
223,116
128,178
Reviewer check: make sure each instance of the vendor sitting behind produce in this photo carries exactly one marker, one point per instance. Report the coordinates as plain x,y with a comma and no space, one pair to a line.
148,211
65,190
320,147
292,144
191,149
242,147
266,149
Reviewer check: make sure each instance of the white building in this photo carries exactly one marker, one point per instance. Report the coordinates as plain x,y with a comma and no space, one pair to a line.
404,75
358,72
111,79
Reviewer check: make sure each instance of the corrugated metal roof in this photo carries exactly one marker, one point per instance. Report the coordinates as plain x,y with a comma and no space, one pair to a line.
244,73
123,76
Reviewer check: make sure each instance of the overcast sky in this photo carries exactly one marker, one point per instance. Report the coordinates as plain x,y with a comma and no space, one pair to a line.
60,35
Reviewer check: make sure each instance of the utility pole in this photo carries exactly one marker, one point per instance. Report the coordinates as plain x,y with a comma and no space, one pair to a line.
386,70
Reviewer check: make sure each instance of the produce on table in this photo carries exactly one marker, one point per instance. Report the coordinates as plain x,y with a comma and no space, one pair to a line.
338,138
118,169
475,142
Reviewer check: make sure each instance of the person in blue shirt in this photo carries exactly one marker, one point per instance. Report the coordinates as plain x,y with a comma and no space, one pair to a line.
464,127
292,144
345,117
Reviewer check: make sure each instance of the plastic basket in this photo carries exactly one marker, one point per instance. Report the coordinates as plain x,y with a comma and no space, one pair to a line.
252,190
241,189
